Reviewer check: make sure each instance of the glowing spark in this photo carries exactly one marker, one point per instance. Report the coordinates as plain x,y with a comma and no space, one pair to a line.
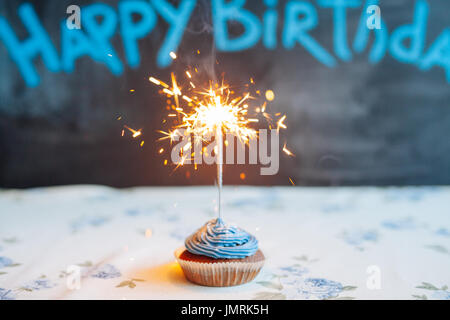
142,143
292,182
270,95
168,91
131,90
136,133
280,123
242,176
187,146
173,55
155,81
182,161
263,108
188,74
287,151
175,90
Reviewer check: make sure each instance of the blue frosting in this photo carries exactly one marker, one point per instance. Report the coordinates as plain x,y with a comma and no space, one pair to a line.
218,240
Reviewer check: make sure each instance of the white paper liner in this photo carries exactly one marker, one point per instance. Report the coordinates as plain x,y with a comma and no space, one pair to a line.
221,274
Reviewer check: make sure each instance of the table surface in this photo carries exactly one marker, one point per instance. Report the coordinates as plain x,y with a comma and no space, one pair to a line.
95,242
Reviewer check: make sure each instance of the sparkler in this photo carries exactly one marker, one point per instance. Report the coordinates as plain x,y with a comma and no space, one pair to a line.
211,111
215,110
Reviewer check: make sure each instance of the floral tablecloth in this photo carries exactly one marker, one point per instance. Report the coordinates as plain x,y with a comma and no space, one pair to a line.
95,242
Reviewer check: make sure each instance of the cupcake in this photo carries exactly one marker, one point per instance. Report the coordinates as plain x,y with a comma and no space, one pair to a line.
219,255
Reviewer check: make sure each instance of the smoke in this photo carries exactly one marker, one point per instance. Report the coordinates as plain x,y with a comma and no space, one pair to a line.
202,25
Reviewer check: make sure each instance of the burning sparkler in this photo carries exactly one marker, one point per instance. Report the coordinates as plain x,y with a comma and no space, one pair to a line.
212,111
215,110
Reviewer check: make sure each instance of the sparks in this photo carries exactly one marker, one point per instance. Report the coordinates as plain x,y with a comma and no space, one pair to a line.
270,95
280,123
213,110
287,151
136,133
155,81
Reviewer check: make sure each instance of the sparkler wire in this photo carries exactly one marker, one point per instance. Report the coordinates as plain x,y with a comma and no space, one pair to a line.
219,139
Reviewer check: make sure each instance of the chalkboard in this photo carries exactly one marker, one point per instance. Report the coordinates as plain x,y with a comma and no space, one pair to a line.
370,107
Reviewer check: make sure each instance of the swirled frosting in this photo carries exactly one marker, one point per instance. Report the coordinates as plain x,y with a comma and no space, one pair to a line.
221,241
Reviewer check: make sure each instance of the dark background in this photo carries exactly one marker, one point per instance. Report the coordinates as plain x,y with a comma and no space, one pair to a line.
356,124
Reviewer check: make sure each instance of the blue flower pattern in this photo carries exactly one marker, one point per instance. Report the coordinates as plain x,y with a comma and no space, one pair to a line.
83,222
107,271
290,281
433,292
443,232
38,284
5,262
358,238
401,224
6,294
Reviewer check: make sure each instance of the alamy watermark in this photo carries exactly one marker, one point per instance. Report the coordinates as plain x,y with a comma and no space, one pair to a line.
374,20
265,150
74,20
73,277
374,279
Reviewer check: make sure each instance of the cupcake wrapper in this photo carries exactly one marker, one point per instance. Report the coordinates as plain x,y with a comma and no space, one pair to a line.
222,274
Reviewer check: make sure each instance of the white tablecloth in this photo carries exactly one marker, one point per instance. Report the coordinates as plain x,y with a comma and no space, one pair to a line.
94,242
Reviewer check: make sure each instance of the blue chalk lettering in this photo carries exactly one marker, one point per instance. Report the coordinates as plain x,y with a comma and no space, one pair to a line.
177,19
101,32
416,32
132,31
295,30
438,54
270,25
380,44
75,44
340,25
233,11
22,53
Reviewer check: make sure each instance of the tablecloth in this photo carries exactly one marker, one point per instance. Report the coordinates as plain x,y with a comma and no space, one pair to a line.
96,242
